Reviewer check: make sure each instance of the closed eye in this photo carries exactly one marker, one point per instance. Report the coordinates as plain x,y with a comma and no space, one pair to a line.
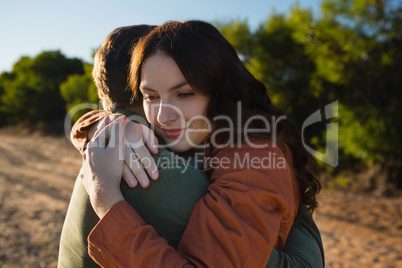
185,95
149,97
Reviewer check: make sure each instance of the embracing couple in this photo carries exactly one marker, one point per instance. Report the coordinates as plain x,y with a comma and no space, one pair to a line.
191,211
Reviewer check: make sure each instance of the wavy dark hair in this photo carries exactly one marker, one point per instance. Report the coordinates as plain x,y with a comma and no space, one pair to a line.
211,66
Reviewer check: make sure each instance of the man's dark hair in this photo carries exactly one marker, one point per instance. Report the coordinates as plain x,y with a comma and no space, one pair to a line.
111,66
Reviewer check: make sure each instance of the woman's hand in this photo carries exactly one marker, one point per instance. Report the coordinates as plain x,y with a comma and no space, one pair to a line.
140,142
103,166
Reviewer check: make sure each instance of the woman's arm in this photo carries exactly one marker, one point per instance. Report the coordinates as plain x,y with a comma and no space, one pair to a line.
245,214
295,254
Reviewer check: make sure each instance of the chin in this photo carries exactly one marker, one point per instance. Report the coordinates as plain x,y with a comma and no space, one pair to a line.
180,147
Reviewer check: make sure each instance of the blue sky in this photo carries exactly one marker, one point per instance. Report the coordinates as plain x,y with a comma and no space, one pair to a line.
77,27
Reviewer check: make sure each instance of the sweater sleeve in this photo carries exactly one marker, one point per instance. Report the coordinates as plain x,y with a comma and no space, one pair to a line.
249,209
79,132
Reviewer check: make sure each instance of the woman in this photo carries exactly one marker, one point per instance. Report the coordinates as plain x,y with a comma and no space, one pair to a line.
193,83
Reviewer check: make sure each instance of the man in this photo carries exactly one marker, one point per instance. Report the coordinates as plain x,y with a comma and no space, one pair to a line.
165,204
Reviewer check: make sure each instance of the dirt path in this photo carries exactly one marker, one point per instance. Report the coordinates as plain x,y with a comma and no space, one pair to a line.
360,230
37,176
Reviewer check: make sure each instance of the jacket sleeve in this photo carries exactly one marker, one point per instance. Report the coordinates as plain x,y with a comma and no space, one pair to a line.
247,211
79,132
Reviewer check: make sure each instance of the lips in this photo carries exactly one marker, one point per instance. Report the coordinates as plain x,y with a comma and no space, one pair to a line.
173,133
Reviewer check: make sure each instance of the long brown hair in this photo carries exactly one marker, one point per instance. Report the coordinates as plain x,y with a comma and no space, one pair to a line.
211,66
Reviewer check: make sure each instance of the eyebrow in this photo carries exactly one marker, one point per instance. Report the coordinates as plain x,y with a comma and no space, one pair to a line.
179,85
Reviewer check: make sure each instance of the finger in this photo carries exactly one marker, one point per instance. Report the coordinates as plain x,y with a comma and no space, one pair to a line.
147,161
107,121
135,167
129,177
102,133
113,117
102,124
115,133
103,138
150,139
99,127
134,138
117,138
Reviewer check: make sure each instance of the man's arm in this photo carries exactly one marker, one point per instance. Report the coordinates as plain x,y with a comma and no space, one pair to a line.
78,223
303,246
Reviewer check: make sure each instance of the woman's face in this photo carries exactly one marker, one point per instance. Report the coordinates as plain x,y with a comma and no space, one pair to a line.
171,105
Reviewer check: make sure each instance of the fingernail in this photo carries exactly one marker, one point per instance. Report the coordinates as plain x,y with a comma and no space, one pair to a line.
144,182
132,182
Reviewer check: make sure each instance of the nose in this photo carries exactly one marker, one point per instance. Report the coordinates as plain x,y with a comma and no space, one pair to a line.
167,113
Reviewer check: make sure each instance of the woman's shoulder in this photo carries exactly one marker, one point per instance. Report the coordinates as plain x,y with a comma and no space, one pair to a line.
254,156
256,147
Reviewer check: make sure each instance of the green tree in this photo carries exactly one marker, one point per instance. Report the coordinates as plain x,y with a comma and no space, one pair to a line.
31,90
5,79
351,53
273,55
239,35
79,89
370,52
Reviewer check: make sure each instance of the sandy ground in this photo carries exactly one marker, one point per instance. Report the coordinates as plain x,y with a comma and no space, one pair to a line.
37,176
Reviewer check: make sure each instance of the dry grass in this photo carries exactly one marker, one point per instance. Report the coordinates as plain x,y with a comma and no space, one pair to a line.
36,176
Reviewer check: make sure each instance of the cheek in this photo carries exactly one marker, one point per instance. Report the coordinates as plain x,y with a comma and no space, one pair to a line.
201,108
198,107
201,121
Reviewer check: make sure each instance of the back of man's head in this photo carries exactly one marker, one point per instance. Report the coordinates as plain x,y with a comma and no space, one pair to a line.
112,63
